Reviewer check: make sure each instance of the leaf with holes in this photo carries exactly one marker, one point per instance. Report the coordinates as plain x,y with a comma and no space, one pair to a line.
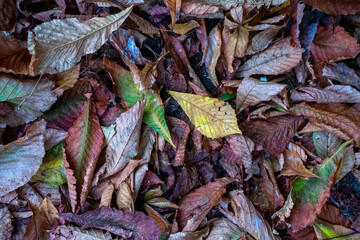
212,117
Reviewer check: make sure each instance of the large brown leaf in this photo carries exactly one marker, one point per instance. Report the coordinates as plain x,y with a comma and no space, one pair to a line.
272,134
14,56
21,159
194,206
335,7
333,93
127,225
337,118
81,150
333,44
279,58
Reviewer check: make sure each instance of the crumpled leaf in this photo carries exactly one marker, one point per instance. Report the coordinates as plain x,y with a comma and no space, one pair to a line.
8,15
6,227
200,10
333,93
247,217
333,44
252,91
43,218
325,230
308,203
174,6
21,159
123,146
66,79
274,133
75,233
337,118
81,150
182,130
127,225
58,45
334,7
27,99
212,117
279,58
342,73
194,206
213,53
125,87
52,169
14,56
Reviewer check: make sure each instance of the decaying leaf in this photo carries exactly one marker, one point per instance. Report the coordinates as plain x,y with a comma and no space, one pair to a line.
213,53
81,150
252,91
127,225
334,44
325,230
27,100
76,233
337,118
342,73
194,206
66,79
14,56
212,117
8,14
21,159
279,58
174,6
223,229
58,45
334,7
6,227
325,143
182,28
308,203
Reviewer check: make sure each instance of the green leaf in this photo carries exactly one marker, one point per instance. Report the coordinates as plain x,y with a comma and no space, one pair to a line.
309,195
52,169
227,96
325,230
125,87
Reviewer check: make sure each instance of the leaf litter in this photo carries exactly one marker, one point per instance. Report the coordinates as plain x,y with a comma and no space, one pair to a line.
179,119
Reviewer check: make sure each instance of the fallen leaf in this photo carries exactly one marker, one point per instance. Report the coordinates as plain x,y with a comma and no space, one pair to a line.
52,169
333,93
124,144
294,166
325,230
6,227
42,220
194,206
325,143
76,233
338,119
274,133
213,53
174,6
233,3
182,130
66,79
14,56
247,217
200,9
333,44
127,225
21,159
28,99
212,117
53,137
308,203
182,28
334,7
54,54
223,229
8,15
124,199
279,58
81,150
342,73
252,91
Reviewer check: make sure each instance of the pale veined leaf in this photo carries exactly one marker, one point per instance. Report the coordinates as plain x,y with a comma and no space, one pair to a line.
58,45
212,117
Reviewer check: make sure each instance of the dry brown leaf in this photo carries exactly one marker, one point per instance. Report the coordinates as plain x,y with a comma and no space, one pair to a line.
279,58
76,233
195,205
174,6
6,227
66,79
334,7
234,3
106,195
8,15
124,199
200,9
182,28
213,53
58,45
293,165
262,40
182,130
333,44
342,73
252,91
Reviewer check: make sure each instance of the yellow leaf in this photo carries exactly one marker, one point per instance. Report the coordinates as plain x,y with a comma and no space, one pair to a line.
182,28
212,117
174,6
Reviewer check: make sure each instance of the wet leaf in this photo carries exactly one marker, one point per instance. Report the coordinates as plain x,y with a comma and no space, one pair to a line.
308,203
21,159
279,58
54,54
27,99
127,225
212,117
81,150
